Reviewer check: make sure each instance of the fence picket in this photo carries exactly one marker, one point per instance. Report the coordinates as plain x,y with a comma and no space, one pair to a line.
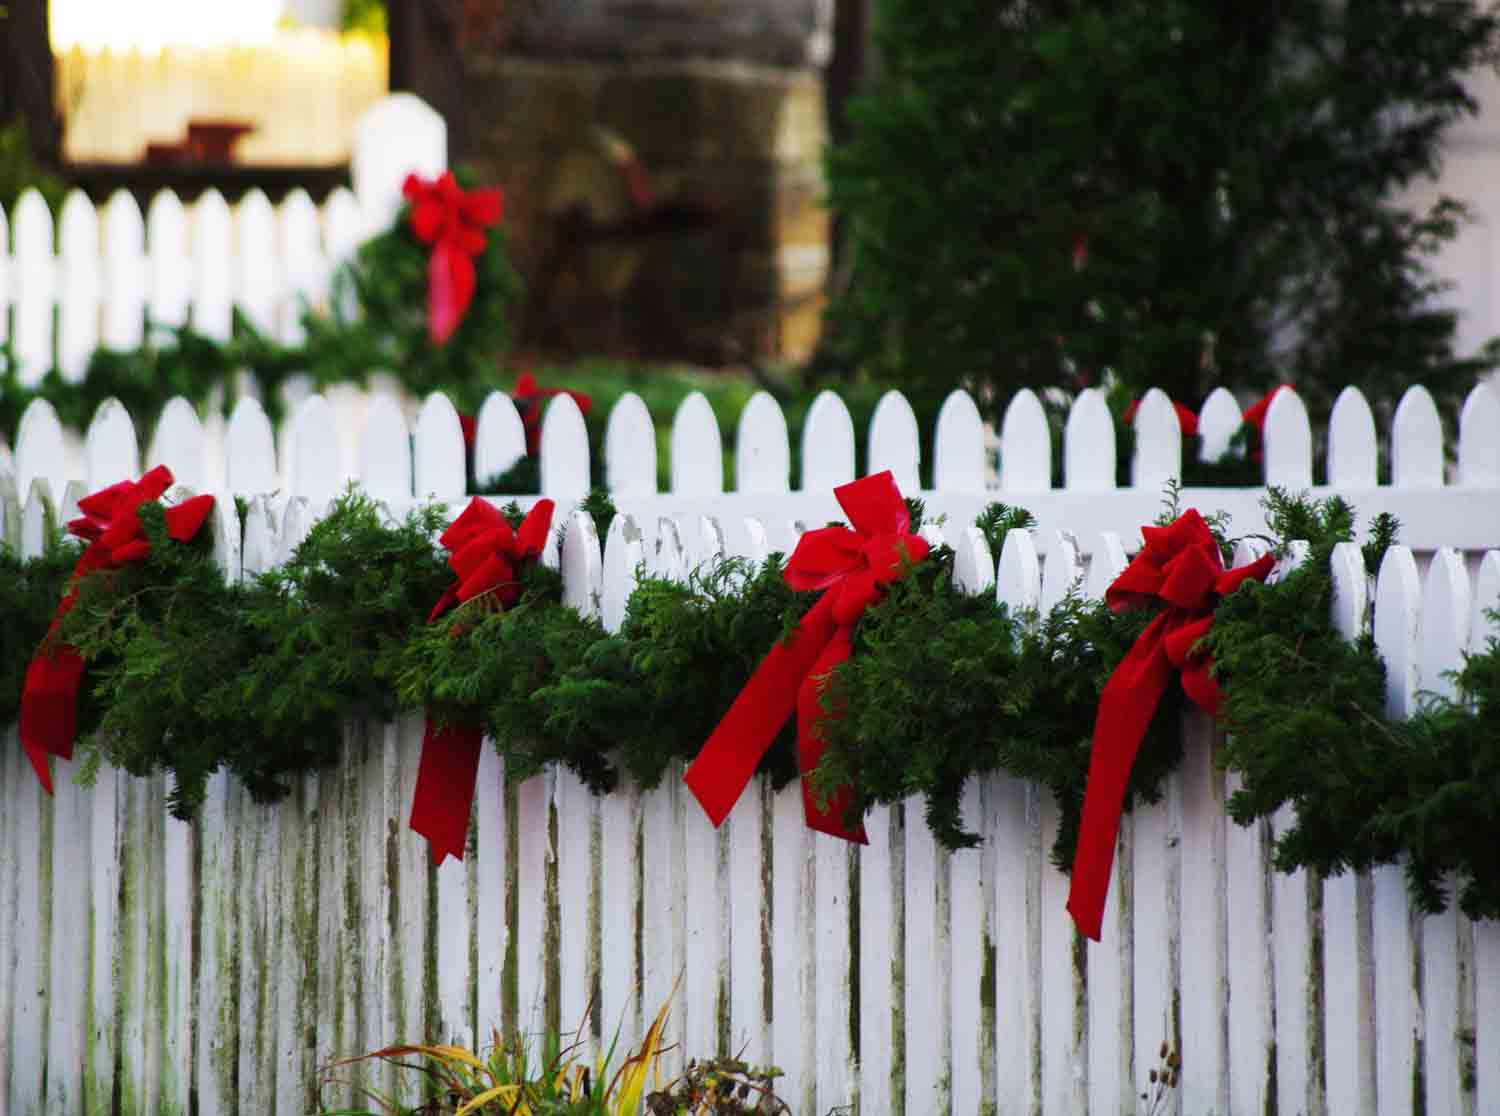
1018,579
124,278
313,470
303,268
762,453
1478,448
1416,441
249,450
1288,442
1352,453
1158,442
827,444
213,283
168,266
258,280
438,450
40,451
895,442
5,299
178,443
32,287
958,453
1061,571
1025,445
386,451
697,459
78,284
110,451
793,924
499,437
1089,444
629,448
1218,420
564,450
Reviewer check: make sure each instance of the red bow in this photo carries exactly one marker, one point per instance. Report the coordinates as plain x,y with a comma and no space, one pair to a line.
528,398
452,221
111,525
486,555
853,566
1180,565
1187,421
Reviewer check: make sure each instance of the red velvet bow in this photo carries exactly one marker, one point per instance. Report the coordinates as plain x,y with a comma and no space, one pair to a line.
528,399
486,557
1181,566
853,566
452,221
1187,420
111,525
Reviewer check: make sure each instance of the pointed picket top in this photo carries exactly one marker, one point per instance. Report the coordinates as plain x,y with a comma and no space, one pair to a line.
1352,451
1025,445
1478,443
1158,442
697,460
304,277
564,450
32,288
110,452
385,450
1445,621
669,561
224,524
582,567
1089,444
1351,590
78,285
762,451
38,513
257,278
1416,441
1288,442
895,443
260,547
958,456
40,450
624,555
399,135
1483,622
630,448
213,282
827,444
973,565
1106,564
1018,580
438,456
1398,629
249,450
169,267
1218,420
124,283
499,437
313,452
1061,571
177,443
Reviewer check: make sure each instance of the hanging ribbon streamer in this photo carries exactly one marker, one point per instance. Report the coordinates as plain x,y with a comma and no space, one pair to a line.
486,556
1180,565
452,221
853,567
111,525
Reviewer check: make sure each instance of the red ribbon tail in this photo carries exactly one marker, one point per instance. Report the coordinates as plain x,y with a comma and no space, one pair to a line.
444,794
1126,706
49,708
725,764
444,308
811,716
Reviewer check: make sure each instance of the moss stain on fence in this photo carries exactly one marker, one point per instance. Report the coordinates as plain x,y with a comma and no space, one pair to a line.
987,1008
510,992
552,926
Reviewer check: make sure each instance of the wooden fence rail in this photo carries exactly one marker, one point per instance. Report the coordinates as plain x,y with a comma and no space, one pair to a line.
147,965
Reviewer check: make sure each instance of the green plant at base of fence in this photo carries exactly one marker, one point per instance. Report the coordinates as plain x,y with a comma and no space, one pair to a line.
373,320
188,674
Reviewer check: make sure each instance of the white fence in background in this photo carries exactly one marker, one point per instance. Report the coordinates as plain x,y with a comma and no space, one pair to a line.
83,278
303,91
221,963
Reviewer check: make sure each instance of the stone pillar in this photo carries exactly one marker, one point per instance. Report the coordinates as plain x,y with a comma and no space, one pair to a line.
721,102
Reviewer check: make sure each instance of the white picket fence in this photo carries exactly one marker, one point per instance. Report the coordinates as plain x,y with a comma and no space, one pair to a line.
220,963
88,278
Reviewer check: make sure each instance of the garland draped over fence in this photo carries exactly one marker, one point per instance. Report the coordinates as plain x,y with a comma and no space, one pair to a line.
188,674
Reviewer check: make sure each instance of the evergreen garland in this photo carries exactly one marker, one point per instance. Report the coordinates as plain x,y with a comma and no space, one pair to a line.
188,674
